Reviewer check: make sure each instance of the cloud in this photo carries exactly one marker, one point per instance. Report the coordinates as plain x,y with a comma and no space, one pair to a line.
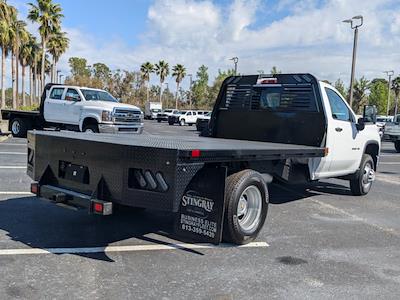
309,37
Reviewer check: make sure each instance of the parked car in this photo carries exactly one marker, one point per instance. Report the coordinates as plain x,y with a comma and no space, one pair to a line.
163,116
174,118
392,133
202,122
152,109
381,122
78,109
188,118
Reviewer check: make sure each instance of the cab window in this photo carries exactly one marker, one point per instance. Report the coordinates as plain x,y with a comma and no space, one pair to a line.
72,95
339,109
57,93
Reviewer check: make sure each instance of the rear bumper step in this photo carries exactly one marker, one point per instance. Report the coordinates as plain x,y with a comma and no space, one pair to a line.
73,200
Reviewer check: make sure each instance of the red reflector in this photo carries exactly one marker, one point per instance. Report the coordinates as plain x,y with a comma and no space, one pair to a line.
98,207
195,153
34,188
267,81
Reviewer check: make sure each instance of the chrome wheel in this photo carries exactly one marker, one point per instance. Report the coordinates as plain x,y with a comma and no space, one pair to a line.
368,176
89,130
15,127
182,122
249,209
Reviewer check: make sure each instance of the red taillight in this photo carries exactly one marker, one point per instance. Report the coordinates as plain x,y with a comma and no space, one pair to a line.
98,207
196,153
34,188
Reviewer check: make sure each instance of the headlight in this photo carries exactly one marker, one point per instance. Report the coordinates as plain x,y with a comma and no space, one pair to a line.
106,116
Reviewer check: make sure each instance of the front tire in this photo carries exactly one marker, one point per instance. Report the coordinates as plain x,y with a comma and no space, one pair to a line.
397,146
182,122
246,207
19,128
365,176
91,128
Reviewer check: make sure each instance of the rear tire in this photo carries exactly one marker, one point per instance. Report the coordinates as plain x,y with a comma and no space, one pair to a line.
361,184
246,207
91,128
159,121
19,128
397,146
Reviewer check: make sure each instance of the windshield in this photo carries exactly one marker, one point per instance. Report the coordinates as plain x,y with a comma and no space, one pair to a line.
92,95
156,110
168,110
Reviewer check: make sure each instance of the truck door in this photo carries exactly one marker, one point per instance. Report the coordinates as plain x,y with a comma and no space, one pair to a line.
54,105
72,102
343,137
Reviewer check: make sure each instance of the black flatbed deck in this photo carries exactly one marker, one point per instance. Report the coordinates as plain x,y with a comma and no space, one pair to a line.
211,149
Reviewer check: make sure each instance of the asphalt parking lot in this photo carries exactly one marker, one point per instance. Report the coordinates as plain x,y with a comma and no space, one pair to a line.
318,241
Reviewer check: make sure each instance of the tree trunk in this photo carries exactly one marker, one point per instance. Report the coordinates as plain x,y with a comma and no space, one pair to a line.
55,80
31,92
23,85
35,82
147,91
42,78
3,74
161,83
14,90
176,95
17,76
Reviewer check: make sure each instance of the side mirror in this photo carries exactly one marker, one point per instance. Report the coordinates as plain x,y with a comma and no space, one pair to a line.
360,124
370,113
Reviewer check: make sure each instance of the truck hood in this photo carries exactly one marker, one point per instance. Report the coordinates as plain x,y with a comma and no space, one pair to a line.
110,105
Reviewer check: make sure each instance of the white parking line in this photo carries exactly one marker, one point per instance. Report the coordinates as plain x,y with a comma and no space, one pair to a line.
14,144
389,163
387,155
15,193
12,167
109,249
13,153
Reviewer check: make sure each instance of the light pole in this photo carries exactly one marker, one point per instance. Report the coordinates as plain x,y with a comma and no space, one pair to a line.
190,90
235,61
58,76
61,76
353,63
389,74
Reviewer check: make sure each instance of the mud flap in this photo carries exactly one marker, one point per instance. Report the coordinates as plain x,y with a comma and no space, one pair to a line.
201,209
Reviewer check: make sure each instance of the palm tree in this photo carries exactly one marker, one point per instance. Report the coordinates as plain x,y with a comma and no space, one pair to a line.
396,89
58,44
48,15
146,69
162,70
5,41
25,58
33,62
18,36
179,72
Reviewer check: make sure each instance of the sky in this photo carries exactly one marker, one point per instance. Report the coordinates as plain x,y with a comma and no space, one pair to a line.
296,36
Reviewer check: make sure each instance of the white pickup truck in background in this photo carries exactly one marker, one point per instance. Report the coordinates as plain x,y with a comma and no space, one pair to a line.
78,109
